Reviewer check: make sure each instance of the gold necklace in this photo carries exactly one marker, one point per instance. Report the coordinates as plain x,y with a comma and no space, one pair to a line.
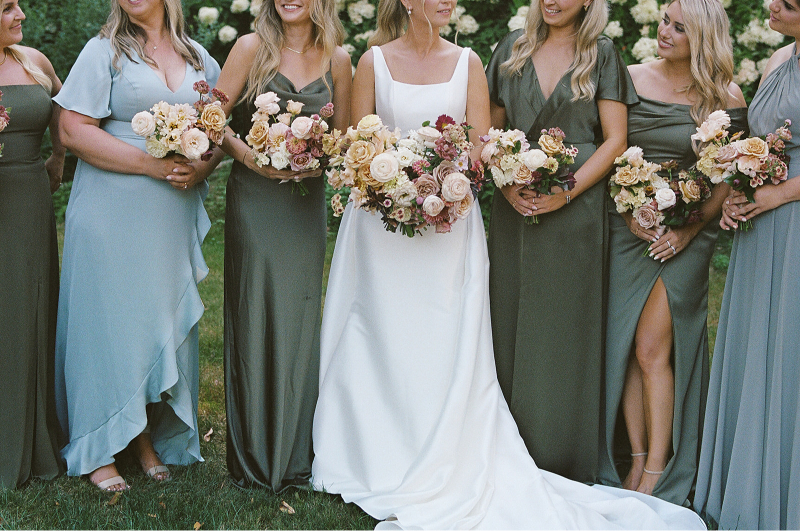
292,50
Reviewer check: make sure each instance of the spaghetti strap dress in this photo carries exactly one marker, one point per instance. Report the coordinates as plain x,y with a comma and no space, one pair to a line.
749,472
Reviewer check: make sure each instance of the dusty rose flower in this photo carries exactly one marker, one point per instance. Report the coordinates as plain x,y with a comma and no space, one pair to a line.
384,167
143,124
455,187
426,186
216,136
489,151
295,145
327,110
646,217
303,161
726,153
442,170
432,205
302,126
690,190
194,143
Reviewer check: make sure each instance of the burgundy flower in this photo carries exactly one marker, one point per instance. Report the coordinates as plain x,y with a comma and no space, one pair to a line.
442,120
202,87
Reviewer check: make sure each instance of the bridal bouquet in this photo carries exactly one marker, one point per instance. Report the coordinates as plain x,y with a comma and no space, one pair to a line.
4,120
182,128
510,160
420,181
743,163
654,201
287,140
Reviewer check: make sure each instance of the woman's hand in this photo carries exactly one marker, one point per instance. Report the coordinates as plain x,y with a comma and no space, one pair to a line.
673,241
520,198
648,235
55,170
767,197
271,173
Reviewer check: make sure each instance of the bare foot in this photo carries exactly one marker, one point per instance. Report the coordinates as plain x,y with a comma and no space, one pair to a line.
649,480
142,446
634,476
101,476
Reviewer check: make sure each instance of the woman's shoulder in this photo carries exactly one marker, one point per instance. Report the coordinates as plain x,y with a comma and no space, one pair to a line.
735,97
505,44
780,56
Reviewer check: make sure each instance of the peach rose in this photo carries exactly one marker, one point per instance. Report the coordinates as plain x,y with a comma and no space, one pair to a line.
258,135
443,170
213,117
626,176
463,208
551,145
194,143
360,152
433,205
753,147
301,127
690,190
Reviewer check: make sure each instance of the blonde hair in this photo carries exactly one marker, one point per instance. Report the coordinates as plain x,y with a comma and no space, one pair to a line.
393,21
592,22
38,75
125,35
707,29
327,31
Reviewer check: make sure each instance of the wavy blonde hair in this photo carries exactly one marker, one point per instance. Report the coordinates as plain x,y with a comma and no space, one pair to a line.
327,31
38,75
591,24
125,36
708,31
393,21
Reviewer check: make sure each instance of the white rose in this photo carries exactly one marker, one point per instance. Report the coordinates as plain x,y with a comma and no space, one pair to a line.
155,148
294,107
384,167
268,103
194,143
455,187
405,157
433,205
280,159
429,135
208,15
240,6
301,127
665,198
500,177
143,124
227,34
534,159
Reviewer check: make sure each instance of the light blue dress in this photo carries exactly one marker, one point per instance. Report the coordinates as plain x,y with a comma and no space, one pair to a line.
129,305
749,472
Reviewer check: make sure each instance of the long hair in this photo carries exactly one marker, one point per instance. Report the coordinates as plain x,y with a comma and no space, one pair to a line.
707,29
327,31
393,20
125,36
592,22
38,75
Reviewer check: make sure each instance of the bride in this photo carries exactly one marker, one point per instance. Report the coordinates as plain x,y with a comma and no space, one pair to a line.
410,423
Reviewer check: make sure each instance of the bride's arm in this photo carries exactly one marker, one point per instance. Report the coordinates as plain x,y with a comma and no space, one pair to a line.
477,103
362,96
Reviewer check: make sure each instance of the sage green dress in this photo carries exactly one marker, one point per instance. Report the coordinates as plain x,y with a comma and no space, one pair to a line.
28,294
274,256
548,281
663,131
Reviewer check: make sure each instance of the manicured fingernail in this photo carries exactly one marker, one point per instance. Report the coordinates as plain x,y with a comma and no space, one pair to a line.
662,260
651,254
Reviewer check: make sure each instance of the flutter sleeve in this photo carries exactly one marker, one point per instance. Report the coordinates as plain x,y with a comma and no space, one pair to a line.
87,89
614,82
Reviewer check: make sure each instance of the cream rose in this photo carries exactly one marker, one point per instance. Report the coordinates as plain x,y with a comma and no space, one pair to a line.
268,103
194,143
359,153
301,127
426,186
384,167
753,147
294,107
534,159
369,124
500,177
443,170
143,124
551,145
665,197
429,135
463,208
433,205
690,190
634,155
258,135
626,176
455,187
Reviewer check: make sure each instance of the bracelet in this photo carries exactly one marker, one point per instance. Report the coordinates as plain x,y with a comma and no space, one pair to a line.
244,157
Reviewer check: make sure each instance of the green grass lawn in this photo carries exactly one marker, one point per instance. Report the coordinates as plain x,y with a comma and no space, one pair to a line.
201,494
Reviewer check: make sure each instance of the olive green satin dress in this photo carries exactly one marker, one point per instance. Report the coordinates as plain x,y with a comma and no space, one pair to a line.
663,131
547,281
274,256
28,294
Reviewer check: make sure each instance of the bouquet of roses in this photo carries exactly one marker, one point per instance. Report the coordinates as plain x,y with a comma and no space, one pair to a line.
4,120
287,140
510,160
420,181
743,163
654,201
182,128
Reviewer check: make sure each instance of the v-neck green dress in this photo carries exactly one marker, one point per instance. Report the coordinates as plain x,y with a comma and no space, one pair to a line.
274,256
548,281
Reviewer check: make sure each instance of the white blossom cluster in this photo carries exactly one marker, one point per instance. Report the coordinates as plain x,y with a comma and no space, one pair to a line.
646,11
759,32
360,10
518,21
645,50
614,30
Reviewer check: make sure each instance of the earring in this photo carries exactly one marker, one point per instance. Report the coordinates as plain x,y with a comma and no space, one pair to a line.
586,7
409,11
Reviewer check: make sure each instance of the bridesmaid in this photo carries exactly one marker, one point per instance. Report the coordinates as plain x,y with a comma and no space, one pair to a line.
749,472
28,259
547,280
275,247
127,342
657,340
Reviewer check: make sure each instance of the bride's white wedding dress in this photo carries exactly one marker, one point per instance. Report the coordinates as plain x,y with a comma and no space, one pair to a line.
411,424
